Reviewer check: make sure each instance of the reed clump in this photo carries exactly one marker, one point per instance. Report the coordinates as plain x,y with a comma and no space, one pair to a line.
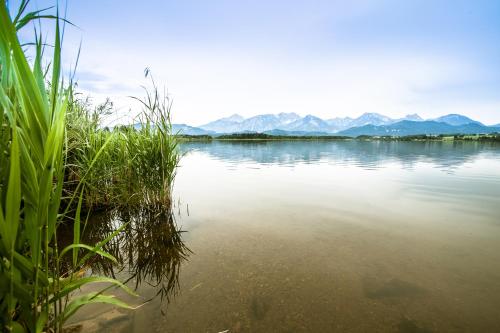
53,158
136,164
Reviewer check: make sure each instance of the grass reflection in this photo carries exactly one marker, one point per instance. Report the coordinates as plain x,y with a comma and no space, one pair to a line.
149,249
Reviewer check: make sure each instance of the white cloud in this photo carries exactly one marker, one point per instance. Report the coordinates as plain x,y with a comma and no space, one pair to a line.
207,84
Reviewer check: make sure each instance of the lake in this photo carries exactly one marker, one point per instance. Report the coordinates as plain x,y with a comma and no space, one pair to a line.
321,236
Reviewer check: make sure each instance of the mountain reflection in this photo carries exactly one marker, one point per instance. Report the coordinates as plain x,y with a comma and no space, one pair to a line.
149,249
364,154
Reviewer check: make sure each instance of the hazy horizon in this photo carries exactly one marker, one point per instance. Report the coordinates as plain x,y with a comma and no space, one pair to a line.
326,58
329,118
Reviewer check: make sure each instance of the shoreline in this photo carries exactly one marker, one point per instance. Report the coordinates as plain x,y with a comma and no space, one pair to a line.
411,138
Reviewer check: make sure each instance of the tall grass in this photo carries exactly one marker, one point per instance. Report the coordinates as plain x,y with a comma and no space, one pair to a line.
137,163
46,159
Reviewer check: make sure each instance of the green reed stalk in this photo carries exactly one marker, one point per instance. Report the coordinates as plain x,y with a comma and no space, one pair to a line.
32,172
137,166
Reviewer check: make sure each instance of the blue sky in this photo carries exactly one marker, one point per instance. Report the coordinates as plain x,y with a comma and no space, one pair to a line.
327,58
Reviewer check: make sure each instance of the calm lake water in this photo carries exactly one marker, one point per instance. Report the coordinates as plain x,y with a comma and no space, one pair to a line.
321,237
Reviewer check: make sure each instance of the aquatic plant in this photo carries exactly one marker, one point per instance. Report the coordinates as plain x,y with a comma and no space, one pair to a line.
34,291
150,248
137,162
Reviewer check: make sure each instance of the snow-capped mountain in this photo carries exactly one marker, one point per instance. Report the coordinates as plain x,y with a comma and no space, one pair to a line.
190,130
456,119
412,117
234,118
309,123
224,125
287,118
339,124
292,122
370,119
429,127
260,123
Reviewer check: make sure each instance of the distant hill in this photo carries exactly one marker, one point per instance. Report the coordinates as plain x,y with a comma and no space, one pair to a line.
456,120
292,122
408,127
309,123
367,122
224,125
260,123
278,132
370,119
412,117
190,130
339,123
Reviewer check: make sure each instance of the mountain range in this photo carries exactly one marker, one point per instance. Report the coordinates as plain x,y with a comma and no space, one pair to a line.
366,124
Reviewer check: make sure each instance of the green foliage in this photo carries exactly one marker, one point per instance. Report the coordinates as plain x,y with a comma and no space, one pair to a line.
187,137
271,137
149,249
264,136
493,137
137,164
52,151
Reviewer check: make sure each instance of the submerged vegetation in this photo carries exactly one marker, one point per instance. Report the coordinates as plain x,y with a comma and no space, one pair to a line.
149,249
56,161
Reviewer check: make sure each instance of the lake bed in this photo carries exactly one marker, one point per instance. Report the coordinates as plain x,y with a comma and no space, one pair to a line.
331,236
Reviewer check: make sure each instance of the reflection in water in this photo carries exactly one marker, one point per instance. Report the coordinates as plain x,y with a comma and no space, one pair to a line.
318,237
149,249
365,154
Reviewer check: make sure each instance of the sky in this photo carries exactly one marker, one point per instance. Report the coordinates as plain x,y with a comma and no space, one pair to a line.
326,58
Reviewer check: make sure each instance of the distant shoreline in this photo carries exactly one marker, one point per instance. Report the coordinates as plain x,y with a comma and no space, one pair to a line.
268,137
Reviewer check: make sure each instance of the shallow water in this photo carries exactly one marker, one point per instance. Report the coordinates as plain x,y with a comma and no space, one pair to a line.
330,237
